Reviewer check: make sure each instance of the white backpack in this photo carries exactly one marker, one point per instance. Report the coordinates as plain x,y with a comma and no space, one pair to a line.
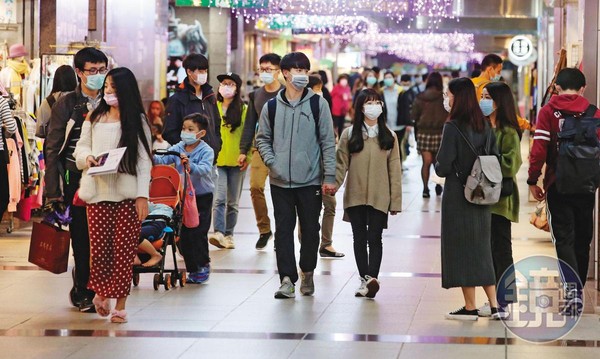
484,182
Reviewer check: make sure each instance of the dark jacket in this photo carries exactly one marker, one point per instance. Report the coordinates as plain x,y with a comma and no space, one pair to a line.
185,102
428,112
68,114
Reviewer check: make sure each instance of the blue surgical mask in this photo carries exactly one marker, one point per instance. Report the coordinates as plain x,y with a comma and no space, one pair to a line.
299,81
496,78
487,106
189,138
95,82
371,80
388,82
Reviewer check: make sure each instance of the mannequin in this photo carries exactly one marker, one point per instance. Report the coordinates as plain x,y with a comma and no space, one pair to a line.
16,70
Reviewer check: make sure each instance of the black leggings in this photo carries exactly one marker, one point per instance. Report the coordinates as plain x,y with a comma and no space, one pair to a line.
367,228
4,192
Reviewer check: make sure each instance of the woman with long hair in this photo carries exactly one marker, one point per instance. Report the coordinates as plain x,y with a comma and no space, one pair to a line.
369,159
116,202
231,175
64,81
429,117
156,112
466,239
498,104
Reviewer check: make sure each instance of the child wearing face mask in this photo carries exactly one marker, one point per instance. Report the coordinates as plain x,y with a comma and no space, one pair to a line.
368,160
231,173
197,157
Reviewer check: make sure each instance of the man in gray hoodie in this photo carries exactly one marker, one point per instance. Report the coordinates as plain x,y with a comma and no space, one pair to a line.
297,144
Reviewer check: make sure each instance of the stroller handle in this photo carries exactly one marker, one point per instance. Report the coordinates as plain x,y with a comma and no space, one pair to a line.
166,153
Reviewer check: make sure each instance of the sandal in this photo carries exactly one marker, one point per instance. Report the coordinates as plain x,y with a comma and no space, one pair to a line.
118,316
102,305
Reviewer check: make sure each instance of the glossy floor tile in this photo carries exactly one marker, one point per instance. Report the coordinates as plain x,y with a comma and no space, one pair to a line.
235,315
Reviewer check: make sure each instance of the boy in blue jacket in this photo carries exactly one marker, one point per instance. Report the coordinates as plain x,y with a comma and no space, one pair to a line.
198,156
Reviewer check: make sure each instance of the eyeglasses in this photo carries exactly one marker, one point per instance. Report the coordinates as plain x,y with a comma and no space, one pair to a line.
268,70
94,71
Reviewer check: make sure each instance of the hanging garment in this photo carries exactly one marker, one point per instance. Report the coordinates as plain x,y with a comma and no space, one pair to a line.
14,175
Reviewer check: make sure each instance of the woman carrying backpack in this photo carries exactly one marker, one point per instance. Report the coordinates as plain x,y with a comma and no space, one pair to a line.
497,103
466,239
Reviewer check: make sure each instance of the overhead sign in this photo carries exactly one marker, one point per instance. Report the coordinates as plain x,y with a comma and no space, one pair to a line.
521,51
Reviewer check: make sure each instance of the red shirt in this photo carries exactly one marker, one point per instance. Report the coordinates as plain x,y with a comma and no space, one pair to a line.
545,139
341,98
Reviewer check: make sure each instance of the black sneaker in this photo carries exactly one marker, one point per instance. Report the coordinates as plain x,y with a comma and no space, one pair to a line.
263,239
426,194
463,314
439,189
87,306
498,313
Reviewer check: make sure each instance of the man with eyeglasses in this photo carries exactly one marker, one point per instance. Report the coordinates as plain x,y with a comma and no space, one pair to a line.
194,95
269,73
62,176
298,147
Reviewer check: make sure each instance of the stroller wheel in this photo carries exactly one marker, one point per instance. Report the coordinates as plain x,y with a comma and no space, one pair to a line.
136,279
174,279
156,281
182,278
167,282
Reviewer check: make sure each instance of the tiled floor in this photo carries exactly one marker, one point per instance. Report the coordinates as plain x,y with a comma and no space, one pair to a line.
235,315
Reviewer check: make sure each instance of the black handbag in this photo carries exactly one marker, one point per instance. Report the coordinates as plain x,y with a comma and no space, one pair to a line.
507,187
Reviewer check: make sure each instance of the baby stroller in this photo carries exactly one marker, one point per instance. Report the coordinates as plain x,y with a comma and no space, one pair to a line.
166,188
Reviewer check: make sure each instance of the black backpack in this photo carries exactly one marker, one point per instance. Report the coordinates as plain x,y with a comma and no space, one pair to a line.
578,165
314,107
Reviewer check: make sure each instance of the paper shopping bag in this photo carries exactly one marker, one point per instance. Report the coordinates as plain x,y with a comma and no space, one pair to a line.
49,247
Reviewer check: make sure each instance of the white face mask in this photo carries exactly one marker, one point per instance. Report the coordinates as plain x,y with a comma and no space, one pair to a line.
447,104
373,111
201,79
227,91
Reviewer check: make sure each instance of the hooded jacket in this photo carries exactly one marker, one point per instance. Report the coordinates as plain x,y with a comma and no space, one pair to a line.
185,102
291,150
428,112
545,139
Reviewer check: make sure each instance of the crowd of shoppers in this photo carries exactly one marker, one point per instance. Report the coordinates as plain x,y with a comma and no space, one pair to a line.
294,132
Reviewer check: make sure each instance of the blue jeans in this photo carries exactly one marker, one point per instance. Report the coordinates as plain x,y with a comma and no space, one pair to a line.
229,189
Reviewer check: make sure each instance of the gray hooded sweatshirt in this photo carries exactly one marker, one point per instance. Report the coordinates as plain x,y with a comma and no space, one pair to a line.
294,155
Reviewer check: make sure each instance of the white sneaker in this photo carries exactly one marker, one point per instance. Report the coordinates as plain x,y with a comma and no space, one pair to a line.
217,239
229,243
372,286
362,290
485,310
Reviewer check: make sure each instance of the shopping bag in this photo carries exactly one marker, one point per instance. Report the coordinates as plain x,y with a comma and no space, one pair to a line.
78,202
191,218
49,247
539,218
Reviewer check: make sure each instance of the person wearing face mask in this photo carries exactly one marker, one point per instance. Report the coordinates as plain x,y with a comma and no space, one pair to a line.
117,203
391,98
231,172
269,74
368,160
194,95
298,146
491,70
16,70
429,116
498,104
62,176
466,228
341,100
197,157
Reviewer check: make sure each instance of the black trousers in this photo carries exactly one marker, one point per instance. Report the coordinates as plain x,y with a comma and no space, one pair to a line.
80,237
4,191
503,259
194,241
339,122
367,229
306,203
571,219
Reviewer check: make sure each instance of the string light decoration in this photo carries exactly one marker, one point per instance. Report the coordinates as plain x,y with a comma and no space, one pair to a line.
434,11
419,48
